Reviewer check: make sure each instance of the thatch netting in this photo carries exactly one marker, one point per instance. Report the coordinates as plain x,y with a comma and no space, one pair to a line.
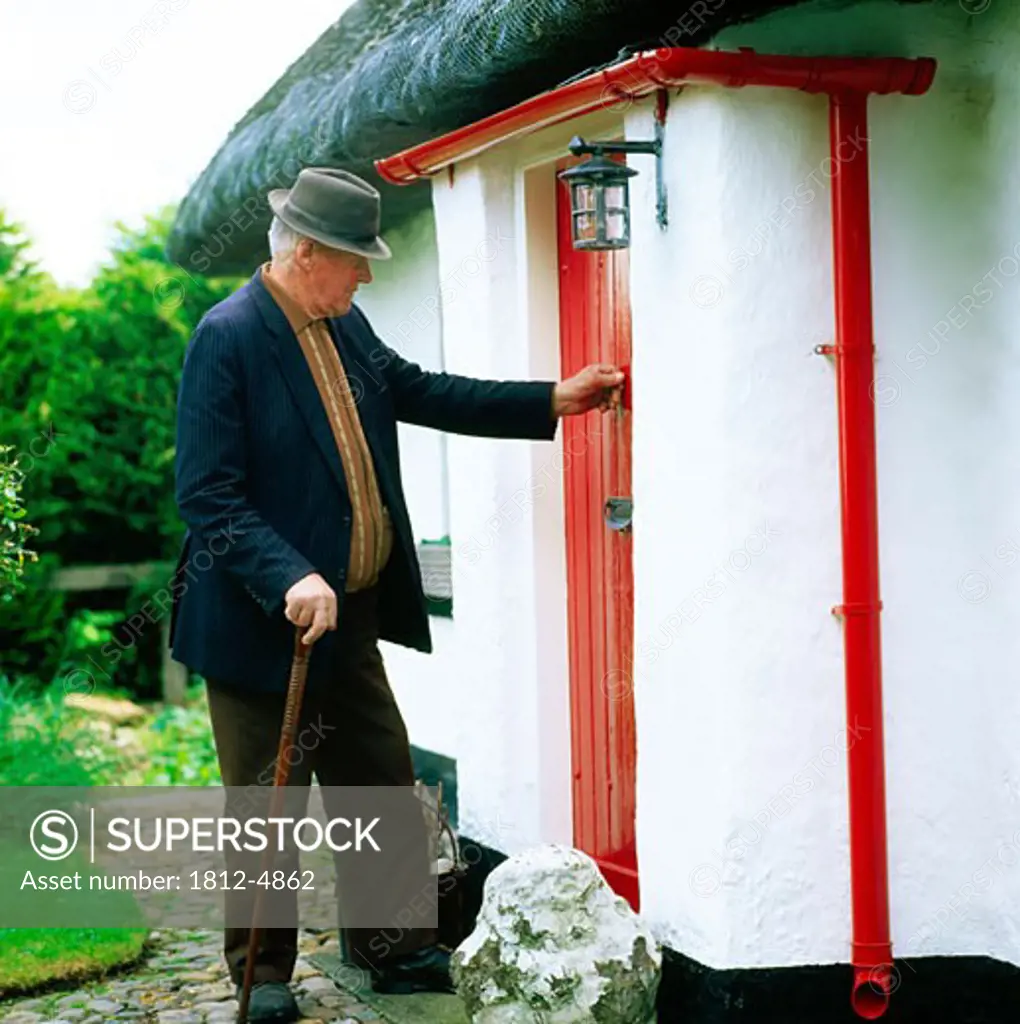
393,73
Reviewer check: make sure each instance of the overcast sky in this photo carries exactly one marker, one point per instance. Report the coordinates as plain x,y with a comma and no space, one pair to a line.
111,108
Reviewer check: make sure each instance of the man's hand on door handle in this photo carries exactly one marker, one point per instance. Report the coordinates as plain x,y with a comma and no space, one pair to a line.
597,385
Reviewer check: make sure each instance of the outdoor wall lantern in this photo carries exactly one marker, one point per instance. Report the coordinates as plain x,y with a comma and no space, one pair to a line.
600,194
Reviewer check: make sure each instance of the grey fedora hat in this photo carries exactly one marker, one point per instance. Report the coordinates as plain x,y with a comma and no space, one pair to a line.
335,208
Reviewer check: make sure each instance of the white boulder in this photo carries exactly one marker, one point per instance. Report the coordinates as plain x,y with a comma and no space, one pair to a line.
553,944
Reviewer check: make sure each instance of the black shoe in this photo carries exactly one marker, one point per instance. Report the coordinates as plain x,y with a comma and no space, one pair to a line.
427,970
271,1001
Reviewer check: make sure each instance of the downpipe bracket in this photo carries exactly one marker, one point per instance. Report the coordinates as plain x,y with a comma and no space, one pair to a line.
841,611
845,350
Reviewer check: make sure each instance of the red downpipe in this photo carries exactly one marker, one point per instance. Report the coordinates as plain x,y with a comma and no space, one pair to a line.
848,81
858,484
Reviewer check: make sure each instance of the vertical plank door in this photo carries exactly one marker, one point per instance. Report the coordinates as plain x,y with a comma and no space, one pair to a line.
595,327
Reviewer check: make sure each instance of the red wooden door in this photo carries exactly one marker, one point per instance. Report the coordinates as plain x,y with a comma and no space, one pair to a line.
595,327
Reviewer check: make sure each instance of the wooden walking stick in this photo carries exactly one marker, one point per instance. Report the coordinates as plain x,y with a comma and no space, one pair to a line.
291,713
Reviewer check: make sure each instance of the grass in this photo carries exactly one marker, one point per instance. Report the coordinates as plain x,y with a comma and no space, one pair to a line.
59,909
45,743
33,958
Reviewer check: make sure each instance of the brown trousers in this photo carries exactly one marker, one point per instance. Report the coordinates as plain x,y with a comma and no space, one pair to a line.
361,740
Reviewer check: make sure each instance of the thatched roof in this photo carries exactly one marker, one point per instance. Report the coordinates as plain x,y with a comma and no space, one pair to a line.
393,73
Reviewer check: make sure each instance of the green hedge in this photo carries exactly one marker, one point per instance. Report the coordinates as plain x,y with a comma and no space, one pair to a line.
14,531
88,385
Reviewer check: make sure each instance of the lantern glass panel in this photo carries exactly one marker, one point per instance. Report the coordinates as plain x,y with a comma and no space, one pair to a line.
584,227
584,196
616,226
616,196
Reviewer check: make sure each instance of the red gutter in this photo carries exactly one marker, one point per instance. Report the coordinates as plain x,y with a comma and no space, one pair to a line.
658,69
848,82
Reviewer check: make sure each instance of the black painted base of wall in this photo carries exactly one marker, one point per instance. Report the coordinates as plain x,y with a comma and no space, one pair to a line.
928,990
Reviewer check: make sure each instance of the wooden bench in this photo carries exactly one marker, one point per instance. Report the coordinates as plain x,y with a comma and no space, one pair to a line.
434,559
80,578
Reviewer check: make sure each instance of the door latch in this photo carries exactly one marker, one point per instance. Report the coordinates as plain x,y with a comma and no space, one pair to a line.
618,513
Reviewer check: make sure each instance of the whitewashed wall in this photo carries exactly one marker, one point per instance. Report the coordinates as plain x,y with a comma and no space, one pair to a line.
402,303
742,805
482,696
501,765
496,693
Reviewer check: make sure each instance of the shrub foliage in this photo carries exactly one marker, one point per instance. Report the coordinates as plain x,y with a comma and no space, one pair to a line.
88,385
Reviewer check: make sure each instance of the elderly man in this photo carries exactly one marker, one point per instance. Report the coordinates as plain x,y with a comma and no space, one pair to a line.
288,478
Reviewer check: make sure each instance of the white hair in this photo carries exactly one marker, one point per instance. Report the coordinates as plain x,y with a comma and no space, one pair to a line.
283,240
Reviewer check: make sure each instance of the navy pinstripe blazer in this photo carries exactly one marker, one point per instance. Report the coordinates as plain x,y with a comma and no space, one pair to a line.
261,487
